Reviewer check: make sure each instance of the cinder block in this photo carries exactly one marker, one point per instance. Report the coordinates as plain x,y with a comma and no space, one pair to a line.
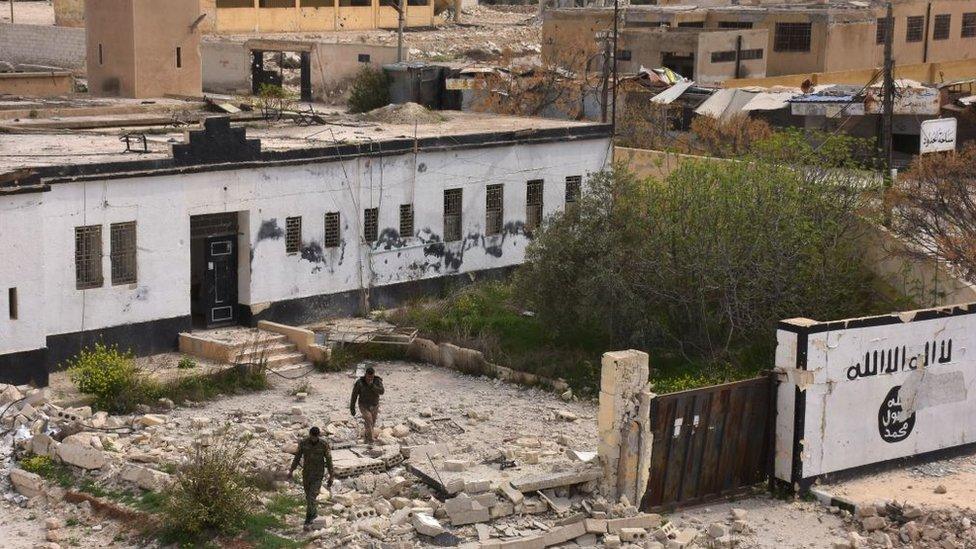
596,526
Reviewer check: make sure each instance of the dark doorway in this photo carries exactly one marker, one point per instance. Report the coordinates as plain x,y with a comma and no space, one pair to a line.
213,269
291,71
681,64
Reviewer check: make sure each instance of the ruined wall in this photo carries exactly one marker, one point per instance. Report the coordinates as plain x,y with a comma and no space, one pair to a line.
37,84
69,13
162,207
862,391
43,45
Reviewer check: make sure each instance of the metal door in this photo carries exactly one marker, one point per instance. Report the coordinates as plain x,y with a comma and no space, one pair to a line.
220,279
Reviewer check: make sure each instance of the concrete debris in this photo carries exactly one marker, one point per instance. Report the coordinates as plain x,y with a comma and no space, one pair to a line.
82,456
427,525
26,483
555,480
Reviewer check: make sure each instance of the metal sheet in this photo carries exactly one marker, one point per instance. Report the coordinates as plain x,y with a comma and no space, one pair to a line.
938,134
769,101
725,103
672,93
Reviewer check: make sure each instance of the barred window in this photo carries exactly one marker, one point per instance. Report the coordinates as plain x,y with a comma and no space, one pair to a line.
371,222
293,235
969,25
691,24
331,230
494,209
746,55
406,220
723,56
452,215
940,28
882,30
574,185
88,257
533,204
735,24
792,37
916,28
123,237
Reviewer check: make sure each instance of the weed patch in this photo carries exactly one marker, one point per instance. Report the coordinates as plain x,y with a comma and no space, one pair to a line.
48,469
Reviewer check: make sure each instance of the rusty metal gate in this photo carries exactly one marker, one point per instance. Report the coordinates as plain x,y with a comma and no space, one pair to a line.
710,442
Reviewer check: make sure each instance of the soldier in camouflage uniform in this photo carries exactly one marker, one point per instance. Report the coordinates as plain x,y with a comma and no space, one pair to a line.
315,456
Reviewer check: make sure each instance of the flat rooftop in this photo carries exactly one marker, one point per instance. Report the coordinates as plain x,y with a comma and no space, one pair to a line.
53,137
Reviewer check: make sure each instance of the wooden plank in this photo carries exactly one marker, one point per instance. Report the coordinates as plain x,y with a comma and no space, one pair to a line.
693,467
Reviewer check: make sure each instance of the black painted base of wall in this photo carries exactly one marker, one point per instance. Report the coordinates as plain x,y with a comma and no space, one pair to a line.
28,367
310,309
143,338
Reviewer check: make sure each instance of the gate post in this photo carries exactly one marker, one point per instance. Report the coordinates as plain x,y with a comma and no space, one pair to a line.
624,424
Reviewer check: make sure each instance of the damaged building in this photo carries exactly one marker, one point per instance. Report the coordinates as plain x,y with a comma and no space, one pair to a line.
132,243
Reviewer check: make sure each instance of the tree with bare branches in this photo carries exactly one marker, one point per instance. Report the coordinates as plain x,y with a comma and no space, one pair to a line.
934,208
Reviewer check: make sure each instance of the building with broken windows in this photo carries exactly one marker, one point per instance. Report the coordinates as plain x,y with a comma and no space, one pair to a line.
133,242
801,37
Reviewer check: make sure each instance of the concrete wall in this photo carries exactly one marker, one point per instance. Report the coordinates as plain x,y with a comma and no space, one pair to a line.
39,229
710,73
111,48
301,18
227,64
37,84
43,45
923,72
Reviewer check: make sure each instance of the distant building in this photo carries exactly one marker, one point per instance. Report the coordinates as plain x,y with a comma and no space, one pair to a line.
802,37
143,48
284,15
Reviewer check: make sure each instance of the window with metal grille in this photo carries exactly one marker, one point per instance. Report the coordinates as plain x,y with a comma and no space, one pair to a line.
371,224
747,55
88,257
494,209
235,3
723,56
940,27
331,230
293,235
691,24
317,3
735,24
792,37
123,255
916,28
533,204
881,30
276,3
406,220
969,25
574,184
452,215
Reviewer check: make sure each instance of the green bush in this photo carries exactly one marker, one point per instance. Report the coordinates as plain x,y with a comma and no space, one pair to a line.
209,496
186,363
111,377
370,90
48,469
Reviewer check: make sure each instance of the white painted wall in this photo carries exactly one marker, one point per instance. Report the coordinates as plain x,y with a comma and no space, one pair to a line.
22,267
852,419
162,206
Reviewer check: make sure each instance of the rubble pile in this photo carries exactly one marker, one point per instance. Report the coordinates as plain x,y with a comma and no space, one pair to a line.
904,524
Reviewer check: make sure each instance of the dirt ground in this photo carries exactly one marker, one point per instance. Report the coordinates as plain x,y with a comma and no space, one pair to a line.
919,484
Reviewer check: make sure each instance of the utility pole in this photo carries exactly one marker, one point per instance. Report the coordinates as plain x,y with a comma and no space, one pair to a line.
11,11
604,92
888,89
399,8
613,111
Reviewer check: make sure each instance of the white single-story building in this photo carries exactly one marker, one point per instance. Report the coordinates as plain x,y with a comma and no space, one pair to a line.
290,224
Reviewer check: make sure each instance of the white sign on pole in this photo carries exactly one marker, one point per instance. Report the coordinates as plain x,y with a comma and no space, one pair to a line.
937,134
868,390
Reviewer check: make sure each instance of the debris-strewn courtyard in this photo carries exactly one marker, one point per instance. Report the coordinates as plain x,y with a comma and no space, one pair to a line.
478,438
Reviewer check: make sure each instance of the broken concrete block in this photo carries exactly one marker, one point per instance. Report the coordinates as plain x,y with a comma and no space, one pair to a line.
647,521
44,445
532,506
531,457
476,486
144,477
511,494
682,539
578,455
611,541
454,485
456,465
566,415
501,509
555,480
401,431
596,526
26,483
418,424
400,516
871,524
635,535
427,525
78,455
150,420
484,532
487,499
477,513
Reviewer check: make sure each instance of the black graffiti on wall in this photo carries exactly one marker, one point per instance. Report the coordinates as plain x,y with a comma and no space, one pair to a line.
894,423
897,359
